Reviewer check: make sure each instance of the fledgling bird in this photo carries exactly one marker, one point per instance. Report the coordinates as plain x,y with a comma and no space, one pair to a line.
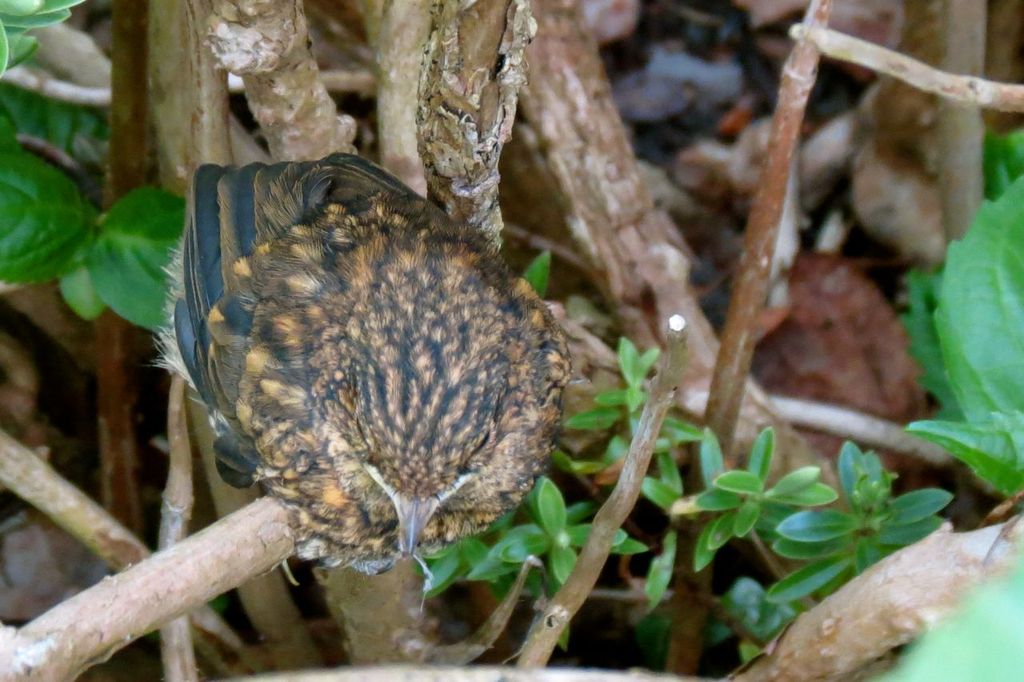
369,362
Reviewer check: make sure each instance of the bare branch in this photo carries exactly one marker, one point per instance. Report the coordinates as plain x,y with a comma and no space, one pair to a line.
407,673
48,86
100,620
266,42
179,658
543,636
887,606
469,88
966,89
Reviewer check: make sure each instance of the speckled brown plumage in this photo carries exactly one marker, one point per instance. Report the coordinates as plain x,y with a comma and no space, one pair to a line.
373,365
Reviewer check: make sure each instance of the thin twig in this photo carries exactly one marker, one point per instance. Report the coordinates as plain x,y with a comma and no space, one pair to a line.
860,427
179,658
469,89
966,89
54,88
96,622
267,44
543,636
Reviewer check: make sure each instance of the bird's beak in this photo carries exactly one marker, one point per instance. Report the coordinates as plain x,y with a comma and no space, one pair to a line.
413,515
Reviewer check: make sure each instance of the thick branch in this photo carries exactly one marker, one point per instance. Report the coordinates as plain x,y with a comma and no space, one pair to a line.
543,636
100,620
266,42
469,88
887,606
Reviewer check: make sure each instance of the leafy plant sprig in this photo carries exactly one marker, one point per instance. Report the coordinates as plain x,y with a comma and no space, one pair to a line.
19,16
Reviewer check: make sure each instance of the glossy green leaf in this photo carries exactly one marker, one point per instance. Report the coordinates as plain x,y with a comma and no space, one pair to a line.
980,317
807,551
127,263
668,473
635,398
578,511
746,517
80,295
816,495
1003,162
20,46
550,507
519,543
866,553
57,122
21,7
795,481
807,580
738,481
918,504
721,530
818,525
561,561
629,546
45,224
659,573
904,534
598,419
5,50
578,534
576,466
629,363
993,448
919,321
746,602
679,431
711,462
658,493
718,500
611,398
444,571
37,20
538,272
761,453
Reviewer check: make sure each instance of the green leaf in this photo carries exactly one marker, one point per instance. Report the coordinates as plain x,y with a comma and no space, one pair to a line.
583,467
795,481
612,398
628,546
718,500
5,50
806,551
746,602
635,397
980,318
669,473
905,534
994,448
629,363
1003,162
21,46
721,530
578,534
491,569
658,493
538,272
746,517
127,263
678,431
807,580
850,457
519,543
742,482
761,453
80,295
57,122
561,561
616,450
577,511
814,496
815,526
711,462
34,20
8,136
647,359
866,553
919,321
550,507
598,419
703,552
918,504
659,574
21,7
45,224
444,572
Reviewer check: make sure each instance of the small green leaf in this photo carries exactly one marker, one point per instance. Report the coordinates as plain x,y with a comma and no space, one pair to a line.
5,50
577,511
703,552
21,46
659,574
848,468
815,526
550,507
907,533
761,454
582,467
807,580
59,123
741,482
20,8
629,546
635,397
45,224
127,262
806,551
35,20
648,358
993,448
746,602
658,493
561,561
538,272
578,534
918,504
746,517
814,496
1003,162
721,530
795,481
629,363
598,419
612,398
669,473
444,571
866,553
711,462
919,321
519,543
718,500
80,295
616,450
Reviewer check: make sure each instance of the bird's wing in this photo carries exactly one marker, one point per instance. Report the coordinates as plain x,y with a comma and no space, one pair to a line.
231,212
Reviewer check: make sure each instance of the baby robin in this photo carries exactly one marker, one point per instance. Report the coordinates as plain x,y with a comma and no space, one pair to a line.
370,363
